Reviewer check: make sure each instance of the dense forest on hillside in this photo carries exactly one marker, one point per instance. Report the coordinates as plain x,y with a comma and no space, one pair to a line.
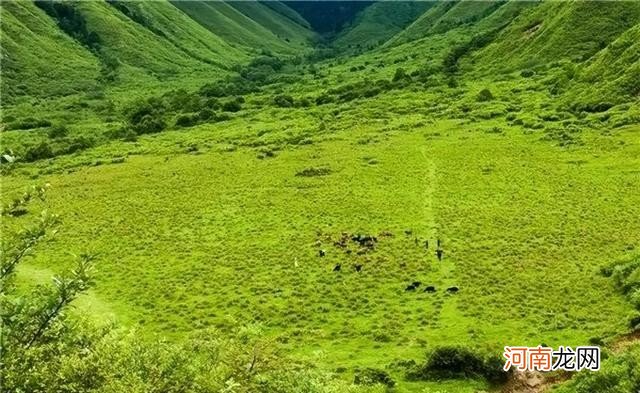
359,196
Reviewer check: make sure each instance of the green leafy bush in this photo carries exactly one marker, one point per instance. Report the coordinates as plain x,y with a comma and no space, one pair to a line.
59,131
283,101
77,144
372,376
484,95
619,373
400,75
187,120
39,151
147,117
528,73
28,123
232,106
451,362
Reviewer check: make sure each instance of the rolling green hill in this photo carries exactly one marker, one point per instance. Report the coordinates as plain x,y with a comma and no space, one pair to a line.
552,31
56,48
443,17
38,58
248,25
379,22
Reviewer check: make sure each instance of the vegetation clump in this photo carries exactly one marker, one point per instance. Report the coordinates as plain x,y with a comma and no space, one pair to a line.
373,376
311,172
451,362
484,95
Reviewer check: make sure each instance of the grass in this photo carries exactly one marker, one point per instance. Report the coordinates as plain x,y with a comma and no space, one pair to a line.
220,224
191,241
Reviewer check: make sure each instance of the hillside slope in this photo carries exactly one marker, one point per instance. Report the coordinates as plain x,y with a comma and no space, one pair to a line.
58,48
552,31
278,19
233,22
613,75
379,22
444,17
39,59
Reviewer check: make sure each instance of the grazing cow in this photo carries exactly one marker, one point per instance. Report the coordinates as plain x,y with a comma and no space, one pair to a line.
453,289
439,253
337,268
416,284
322,253
438,243
410,288
430,289
408,232
426,244
358,268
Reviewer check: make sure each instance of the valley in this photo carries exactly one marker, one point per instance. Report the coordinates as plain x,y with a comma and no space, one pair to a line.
222,162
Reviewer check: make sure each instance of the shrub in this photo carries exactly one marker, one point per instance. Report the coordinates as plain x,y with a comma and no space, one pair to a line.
304,102
527,73
372,376
227,88
58,131
484,95
79,143
187,120
232,106
400,75
283,101
324,98
618,373
223,117
206,114
149,124
28,123
310,172
450,362
38,152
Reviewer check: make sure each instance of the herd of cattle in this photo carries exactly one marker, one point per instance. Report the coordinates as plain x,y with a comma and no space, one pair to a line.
367,243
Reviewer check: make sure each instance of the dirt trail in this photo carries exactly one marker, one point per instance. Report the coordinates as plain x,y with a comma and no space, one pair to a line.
533,382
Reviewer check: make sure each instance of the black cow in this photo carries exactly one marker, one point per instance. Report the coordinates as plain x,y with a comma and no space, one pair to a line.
416,284
337,268
410,288
430,289
358,268
453,289
438,243
408,232
439,253
322,253
426,244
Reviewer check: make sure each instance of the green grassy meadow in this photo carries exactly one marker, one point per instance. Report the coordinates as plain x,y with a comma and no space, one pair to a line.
219,224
